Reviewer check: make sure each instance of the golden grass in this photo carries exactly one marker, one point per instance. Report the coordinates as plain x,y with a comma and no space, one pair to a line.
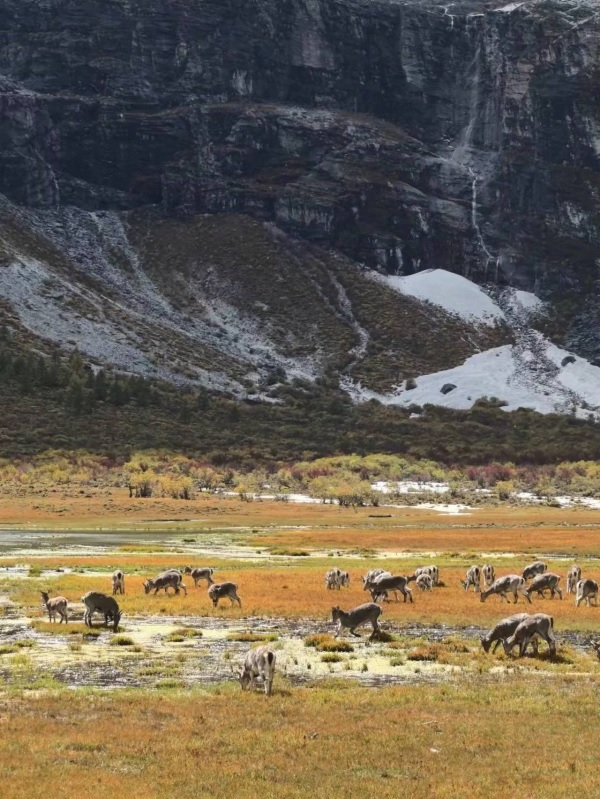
299,591
321,741
463,535
501,527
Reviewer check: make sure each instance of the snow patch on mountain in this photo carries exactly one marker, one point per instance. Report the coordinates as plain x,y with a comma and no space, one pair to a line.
508,375
452,292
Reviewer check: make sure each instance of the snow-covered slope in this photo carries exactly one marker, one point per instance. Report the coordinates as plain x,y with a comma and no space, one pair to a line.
454,293
532,373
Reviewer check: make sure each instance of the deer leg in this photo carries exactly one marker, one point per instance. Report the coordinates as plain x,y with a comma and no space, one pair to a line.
354,633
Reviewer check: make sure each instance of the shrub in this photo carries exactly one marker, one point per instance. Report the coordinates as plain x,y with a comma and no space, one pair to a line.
331,657
250,638
121,640
323,642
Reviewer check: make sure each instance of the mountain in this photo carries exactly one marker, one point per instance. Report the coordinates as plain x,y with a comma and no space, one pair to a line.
236,194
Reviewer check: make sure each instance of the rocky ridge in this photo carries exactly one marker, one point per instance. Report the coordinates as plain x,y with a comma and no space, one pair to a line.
281,150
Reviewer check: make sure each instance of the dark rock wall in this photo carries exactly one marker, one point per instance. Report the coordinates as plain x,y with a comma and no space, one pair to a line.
408,135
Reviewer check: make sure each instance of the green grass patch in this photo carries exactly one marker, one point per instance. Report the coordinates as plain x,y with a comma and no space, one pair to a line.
331,657
251,638
323,642
121,640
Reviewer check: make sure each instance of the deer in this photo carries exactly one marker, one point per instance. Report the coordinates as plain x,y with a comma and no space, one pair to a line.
259,662
534,568
333,579
221,590
573,577
118,582
363,614
543,582
538,626
101,603
489,574
588,590
424,582
57,604
382,584
165,580
472,578
504,629
200,574
432,571
511,584
371,575
345,579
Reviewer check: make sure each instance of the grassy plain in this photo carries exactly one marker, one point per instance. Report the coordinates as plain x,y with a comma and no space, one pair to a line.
446,738
330,740
298,591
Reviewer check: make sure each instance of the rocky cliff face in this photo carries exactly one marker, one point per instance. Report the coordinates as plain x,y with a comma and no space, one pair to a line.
399,135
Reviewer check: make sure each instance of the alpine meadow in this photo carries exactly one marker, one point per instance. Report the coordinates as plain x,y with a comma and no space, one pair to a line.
300,394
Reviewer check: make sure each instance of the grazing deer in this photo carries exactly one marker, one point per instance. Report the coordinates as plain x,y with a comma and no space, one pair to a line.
543,582
56,605
118,582
489,574
538,626
424,582
371,575
504,629
472,578
221,590
534,568
573,577
432,571
381,585
101,603
259,662
200,574
164,581
511,584
333,579
363,614
586,589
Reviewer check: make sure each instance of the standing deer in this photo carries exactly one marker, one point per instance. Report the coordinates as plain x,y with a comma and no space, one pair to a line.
165,580
538,626
586,589
118,582
472,578
573,577
504,629
371,575
200,574
424,582
259,662
543,582
538,567
333,579
101,603
511,584
221,590
363,614
56,605
489,574
381,585
432,571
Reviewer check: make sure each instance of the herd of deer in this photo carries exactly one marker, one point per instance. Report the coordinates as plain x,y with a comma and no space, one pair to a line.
520,629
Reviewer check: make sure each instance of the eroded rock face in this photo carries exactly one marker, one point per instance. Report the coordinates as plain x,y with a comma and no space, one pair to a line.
406,135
